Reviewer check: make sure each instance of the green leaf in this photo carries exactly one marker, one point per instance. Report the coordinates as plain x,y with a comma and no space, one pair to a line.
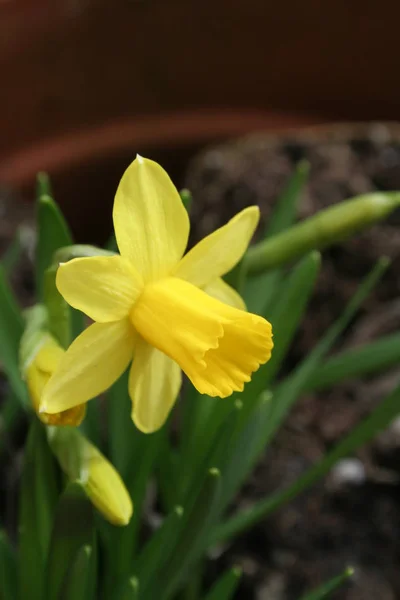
226,585
53,233
59,313
285,317
123,437
10,416
37,502
331,586
362,433
259,290
12,254
11,329
73,529
121,543
8,569
357,362
131,591
244,449
66,253
193,537
284,212
34,336
187,198
43,185
221,444
327,227
208,422
157,548
289,390
77,580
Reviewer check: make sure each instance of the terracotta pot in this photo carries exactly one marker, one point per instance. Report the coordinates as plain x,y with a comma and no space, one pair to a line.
85,166
72,64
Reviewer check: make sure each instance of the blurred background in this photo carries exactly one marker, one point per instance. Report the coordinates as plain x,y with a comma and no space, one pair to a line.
229,95
87,83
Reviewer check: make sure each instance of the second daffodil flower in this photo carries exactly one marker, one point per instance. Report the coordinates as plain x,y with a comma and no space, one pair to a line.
165,312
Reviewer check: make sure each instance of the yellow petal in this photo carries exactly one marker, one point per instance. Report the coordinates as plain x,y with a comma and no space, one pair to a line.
103,287
220,251
217,346
38,373
225,293
92,363
154,383
150,221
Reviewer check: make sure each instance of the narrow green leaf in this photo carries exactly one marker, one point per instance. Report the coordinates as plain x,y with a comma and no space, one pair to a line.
367,429
327,227
59,314
245,449
226,585
157,548
187,198
131,591
285,317
121,543
193,587
193,537
290,389
77,580
357,362
167,473
331,586
284,212
123,437
69,252
37,502
73,528
210,415
8,569
12,255
259,290
53,233
221,445
10,415
11,329
226,439
288,312
43,185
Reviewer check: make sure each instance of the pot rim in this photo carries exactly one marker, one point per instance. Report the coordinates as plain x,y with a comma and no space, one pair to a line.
148,132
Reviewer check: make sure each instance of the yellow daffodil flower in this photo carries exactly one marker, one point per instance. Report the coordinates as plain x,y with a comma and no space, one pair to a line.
42,365
169,313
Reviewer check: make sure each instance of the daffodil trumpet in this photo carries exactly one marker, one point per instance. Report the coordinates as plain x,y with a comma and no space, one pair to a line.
167,311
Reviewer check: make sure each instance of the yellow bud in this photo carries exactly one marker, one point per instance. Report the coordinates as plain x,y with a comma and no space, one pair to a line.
38,372
84,463
106,489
